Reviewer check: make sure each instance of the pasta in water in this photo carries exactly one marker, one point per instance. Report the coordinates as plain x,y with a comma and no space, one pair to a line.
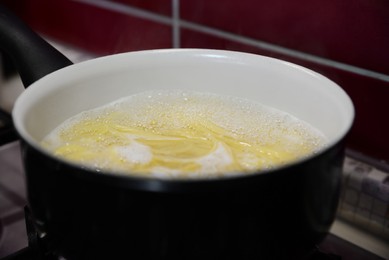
183,134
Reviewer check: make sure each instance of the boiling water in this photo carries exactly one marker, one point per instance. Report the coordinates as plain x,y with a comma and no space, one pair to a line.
183,134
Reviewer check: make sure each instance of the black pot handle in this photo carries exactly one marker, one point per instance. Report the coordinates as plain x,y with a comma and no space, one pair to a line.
32,55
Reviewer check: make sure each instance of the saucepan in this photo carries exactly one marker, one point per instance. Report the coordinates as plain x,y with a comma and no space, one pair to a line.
83,214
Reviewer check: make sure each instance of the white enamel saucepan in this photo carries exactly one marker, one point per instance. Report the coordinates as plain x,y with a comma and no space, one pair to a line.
82,214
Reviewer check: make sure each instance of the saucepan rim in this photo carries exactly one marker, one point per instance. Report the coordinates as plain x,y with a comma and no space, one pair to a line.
20,108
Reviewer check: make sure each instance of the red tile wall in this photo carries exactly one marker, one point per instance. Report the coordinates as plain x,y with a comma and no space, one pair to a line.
157,6
348,40
94,29
353,31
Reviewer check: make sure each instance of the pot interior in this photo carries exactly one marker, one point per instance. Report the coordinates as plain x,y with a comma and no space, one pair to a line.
281,85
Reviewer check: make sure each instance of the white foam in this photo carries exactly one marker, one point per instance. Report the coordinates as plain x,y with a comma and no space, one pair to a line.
135,152
175,109
216,160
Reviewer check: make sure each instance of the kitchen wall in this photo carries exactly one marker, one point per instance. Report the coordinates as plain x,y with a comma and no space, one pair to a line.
347,41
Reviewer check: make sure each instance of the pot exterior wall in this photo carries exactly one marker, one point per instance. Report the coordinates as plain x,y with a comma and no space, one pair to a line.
276,215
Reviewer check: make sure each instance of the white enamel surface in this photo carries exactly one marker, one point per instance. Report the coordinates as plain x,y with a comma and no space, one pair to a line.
285,86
